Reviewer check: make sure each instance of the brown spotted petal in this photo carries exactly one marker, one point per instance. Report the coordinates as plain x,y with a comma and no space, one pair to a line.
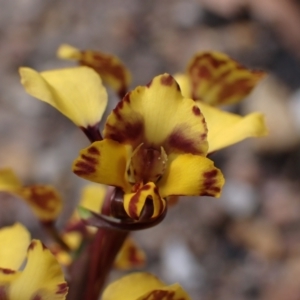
145,202
130,256
191,175
44,201
104,162
217,79
111,69
158,115
139,286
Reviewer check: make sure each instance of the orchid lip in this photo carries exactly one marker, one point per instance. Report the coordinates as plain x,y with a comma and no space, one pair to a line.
146,164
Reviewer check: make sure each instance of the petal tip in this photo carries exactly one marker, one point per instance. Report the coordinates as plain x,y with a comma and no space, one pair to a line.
66,51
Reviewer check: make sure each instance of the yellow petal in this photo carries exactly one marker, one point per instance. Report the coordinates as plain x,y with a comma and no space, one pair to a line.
76,92
42,277
9,181
132,287
217,79
44,201
104,162
111,69
140,286
225,129
135,202
14,242
157,115
130,256
66,51
6,277
185,84
92,197
191,175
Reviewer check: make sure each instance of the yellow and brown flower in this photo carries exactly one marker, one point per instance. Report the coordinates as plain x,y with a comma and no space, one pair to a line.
155,143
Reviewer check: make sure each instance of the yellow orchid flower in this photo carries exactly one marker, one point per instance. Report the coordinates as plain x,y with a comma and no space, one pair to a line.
44,200
76,92
41,277
111,69
213,78
154,146
142,286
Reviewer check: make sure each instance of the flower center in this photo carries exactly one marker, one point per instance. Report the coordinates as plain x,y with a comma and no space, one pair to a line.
147,164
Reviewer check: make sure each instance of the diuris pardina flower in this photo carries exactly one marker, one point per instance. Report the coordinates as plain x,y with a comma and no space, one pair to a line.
154,146
41,278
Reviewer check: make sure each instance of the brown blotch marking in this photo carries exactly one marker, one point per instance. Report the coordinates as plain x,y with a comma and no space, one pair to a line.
128,131
203,136
133,204
146,187
149,84
6,272
106,65
135,199
199,72
127,98
161,295
62,288
210,181
167,80
37,297
216,63
89,159
93,150
117,109
42,197
84,168
196,110
133,256
32,245
240,87
178,140
210,174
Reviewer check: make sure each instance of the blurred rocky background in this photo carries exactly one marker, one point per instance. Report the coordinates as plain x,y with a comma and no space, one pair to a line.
243,246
